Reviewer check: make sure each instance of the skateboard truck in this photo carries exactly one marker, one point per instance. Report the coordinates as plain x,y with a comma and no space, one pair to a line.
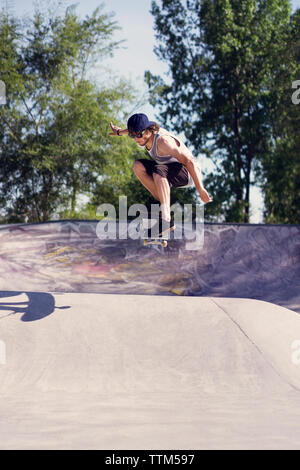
156,241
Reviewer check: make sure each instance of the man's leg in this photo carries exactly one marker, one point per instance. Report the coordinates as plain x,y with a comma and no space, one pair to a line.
159,187
146,180
164,194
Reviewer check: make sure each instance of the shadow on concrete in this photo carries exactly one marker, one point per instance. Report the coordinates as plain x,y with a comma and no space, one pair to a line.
38,306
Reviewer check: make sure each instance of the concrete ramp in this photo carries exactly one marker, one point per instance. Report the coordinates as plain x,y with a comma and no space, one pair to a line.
107,344
148,372
259,262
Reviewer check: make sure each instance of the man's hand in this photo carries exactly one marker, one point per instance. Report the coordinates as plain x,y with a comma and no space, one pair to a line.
205,196
115,129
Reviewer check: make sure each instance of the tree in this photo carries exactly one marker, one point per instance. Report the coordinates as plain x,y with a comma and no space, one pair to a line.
222,56
54,128
280,172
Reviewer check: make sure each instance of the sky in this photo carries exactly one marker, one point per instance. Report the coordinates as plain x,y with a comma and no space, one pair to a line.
136,54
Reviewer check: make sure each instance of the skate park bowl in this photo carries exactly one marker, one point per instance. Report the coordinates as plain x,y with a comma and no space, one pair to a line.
107,344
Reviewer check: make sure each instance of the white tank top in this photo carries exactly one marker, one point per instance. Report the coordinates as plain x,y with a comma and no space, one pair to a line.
165,159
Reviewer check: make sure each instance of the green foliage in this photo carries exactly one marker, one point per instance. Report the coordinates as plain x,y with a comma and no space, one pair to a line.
282,194
280,172
54,129
223,57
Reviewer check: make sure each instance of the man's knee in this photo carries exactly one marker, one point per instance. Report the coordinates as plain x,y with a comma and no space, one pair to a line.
158,178
138,167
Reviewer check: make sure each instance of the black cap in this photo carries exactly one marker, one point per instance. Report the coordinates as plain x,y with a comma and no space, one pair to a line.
138,122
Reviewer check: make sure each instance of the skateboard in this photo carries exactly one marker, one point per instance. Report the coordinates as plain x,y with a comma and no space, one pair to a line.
156,241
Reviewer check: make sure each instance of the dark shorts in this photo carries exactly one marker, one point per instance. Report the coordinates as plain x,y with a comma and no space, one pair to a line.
176,173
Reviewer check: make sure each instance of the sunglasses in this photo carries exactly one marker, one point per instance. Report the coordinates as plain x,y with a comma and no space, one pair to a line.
137,135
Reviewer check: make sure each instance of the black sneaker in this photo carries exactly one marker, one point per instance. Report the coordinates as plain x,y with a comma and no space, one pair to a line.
161,228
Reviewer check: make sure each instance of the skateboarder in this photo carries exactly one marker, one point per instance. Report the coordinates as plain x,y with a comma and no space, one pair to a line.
171,164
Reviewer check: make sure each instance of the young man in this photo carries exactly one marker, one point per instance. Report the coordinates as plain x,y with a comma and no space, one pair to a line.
172,164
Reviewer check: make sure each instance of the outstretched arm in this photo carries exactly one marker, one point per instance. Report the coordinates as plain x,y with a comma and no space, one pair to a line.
117,130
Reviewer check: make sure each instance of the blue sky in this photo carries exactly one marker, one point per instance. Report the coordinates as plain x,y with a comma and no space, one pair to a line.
136,55
136,21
